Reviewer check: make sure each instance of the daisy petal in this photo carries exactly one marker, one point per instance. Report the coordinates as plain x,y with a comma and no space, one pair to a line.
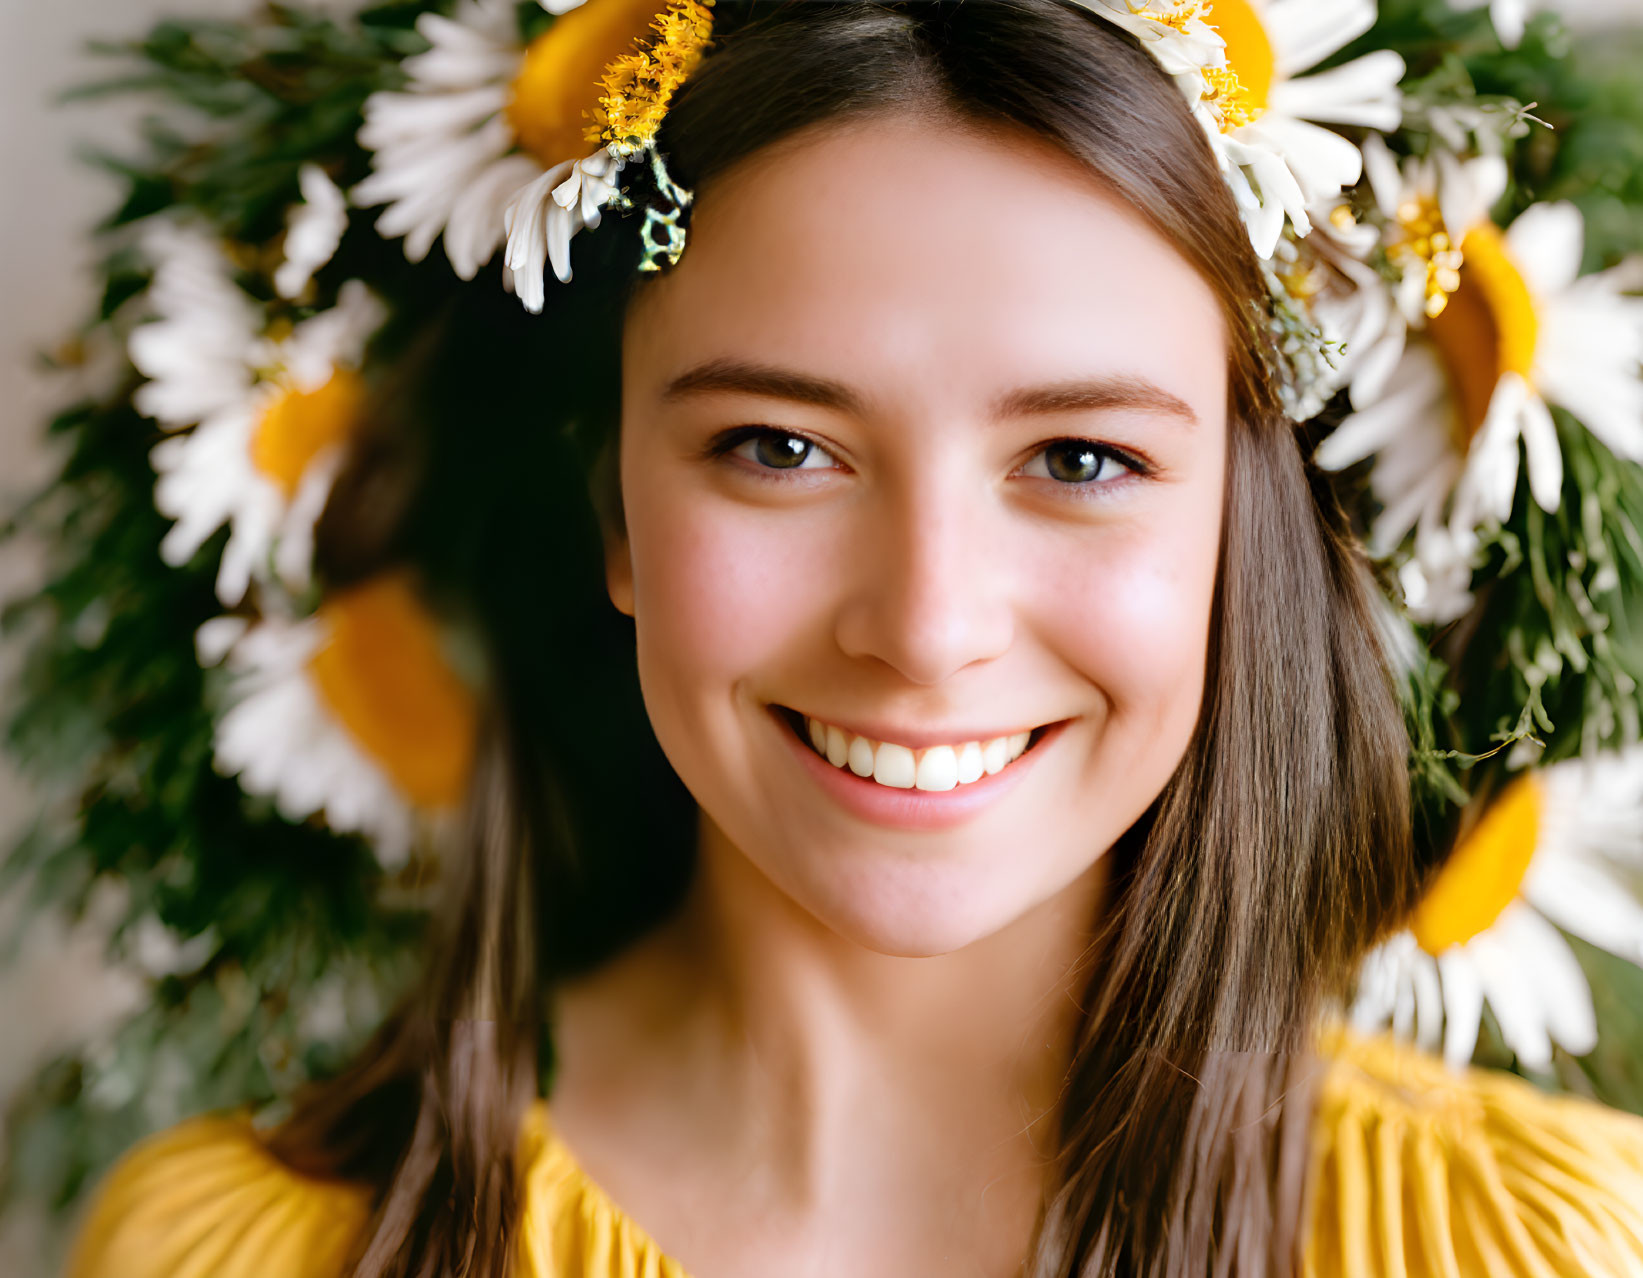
1545,457
1511,18
475,227
1547,242
1419,379
1385,178
1423,972
1589,902
1510,991
1462,1005
1322,161
1362,92
1554,976
1305,32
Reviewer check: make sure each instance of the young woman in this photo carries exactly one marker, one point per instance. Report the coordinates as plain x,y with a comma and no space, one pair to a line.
1046,770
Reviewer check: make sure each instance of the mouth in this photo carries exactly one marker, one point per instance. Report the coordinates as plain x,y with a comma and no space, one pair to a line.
933,768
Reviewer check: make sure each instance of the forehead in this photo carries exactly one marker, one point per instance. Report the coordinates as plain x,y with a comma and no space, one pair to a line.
928,264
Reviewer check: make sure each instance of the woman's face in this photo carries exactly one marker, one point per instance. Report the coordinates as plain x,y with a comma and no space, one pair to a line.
924,441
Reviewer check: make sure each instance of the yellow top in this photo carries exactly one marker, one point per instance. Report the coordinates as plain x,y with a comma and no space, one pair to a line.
1421,1173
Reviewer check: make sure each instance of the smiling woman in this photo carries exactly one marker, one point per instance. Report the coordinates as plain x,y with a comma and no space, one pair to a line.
1004,484
907,570
1044,765
950,443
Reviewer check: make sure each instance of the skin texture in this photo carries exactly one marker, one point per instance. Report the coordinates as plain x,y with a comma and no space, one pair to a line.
852,1034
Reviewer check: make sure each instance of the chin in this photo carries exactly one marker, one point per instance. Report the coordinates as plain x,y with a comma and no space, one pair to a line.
911,911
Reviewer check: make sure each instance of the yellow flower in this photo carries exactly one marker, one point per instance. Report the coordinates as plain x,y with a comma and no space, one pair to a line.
639,86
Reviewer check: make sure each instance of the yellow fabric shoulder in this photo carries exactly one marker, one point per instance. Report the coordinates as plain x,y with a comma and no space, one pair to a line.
207,1200
1427,1172
569,1227
1421,1172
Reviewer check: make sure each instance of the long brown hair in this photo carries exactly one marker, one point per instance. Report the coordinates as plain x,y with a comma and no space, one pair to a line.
1278,851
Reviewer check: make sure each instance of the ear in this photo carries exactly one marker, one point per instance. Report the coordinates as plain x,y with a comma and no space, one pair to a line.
619,572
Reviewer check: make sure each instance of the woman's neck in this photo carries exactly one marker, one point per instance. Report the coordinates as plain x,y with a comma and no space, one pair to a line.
822,1079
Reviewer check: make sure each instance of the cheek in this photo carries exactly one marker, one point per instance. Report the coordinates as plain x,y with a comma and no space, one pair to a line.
716,597
1132,616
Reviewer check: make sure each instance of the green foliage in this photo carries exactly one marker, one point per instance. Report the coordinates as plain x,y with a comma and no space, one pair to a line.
289,939
1566,601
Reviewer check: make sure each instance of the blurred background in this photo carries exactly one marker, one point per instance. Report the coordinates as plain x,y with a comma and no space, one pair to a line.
54,987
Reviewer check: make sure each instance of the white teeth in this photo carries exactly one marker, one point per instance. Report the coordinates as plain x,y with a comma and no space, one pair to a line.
861,757
893,766
937,768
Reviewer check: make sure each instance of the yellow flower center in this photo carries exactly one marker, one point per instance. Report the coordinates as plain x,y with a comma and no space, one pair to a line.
1484,873
1489,328
1426,246
1303,279
1242,89
639,87
1178,14
299,424
561,77
383,675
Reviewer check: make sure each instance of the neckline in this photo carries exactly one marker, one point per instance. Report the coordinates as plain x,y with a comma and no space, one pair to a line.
581,1231
578,1221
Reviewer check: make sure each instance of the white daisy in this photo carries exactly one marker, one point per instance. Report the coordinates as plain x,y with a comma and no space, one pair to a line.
1427,205
542,219
1174,32
1261,111
270,417
1561,847
447,155
313,231
1418,204
1264,113
352,714
200,352
486,118
1517,333
635,91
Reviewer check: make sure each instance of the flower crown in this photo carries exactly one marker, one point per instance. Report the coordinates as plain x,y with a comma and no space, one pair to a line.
1484,402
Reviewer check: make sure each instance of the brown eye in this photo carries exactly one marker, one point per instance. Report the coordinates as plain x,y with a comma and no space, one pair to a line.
778,450
1073,461
781,452
1078,461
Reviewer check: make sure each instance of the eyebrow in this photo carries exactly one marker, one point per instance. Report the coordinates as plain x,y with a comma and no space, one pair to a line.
1080,395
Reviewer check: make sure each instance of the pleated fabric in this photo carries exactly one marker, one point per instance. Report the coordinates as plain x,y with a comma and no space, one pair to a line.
1426,1172
1420,1172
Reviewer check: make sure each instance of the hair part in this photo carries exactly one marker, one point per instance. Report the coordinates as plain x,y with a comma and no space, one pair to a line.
1279,850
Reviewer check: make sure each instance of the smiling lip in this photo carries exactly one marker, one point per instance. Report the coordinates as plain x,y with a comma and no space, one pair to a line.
916,740
911,809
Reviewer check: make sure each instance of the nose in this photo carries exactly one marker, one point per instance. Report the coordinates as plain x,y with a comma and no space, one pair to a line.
928,592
